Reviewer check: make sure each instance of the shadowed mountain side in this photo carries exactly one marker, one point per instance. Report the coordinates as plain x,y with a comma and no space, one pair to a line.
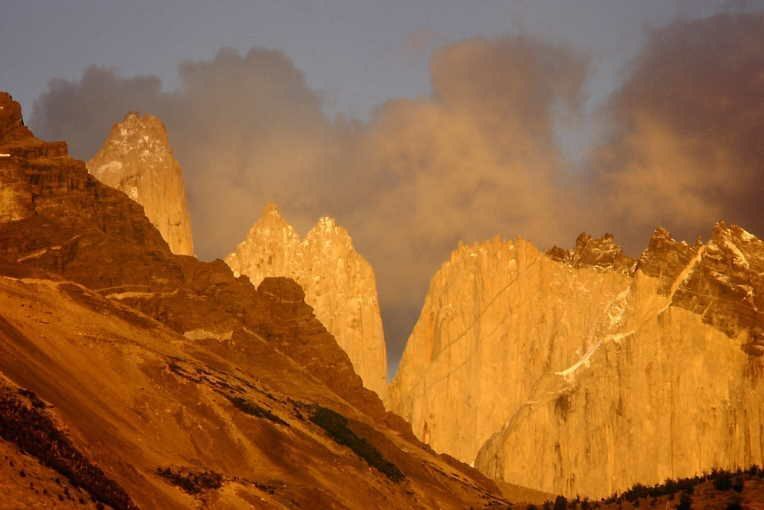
183,385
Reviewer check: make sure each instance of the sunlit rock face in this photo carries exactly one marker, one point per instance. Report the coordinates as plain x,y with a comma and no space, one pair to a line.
339,284
584,372
137,159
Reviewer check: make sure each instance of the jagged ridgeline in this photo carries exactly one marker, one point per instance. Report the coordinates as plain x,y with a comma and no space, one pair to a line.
131,377
585,372
339,284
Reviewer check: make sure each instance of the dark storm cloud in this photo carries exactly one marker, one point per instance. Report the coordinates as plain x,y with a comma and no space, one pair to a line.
83,112
687,146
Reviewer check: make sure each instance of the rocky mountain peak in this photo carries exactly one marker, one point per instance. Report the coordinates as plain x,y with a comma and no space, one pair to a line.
24,157
137,159
327,230
601,253
665,257
267,247
339,283
11,122
271,209
495,246
128,373
326,224
737,240
139,133
16,140
720,280
270,218
538,373
137,123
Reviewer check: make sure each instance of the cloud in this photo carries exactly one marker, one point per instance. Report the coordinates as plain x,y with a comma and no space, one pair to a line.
686,145
246,129
478,157
421,42
474,159
83,112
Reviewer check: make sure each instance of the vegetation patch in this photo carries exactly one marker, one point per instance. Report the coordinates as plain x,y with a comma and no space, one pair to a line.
191,481
336,426
32,397
253,409
175,365
722,481
726,481
218,383
33,432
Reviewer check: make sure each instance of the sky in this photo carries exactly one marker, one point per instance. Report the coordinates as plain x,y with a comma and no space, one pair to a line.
417,124
357,53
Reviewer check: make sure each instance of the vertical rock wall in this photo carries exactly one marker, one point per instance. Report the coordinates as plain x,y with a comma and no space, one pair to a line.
136,159
582,371
339,284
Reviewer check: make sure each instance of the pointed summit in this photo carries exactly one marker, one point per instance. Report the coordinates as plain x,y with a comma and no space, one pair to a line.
270,217
271,209
137,159
268,248
339,284
326,223
20,187
11,122
602,253
327,230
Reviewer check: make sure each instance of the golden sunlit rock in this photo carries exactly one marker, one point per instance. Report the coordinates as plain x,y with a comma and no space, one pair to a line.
136,159
339,284
584,372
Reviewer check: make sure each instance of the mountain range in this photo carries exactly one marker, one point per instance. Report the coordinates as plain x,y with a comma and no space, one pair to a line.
133,375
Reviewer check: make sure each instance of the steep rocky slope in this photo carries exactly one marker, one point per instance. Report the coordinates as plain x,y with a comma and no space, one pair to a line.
134,378
584,372
339,284
136,158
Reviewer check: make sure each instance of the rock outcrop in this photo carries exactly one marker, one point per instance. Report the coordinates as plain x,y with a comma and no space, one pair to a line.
17,144
602,253
137,159
339,284
137,378
582,372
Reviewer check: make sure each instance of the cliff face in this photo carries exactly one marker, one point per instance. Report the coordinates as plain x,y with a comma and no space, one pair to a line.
136,159
497,318
582,372
16,193
136,378
339,284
